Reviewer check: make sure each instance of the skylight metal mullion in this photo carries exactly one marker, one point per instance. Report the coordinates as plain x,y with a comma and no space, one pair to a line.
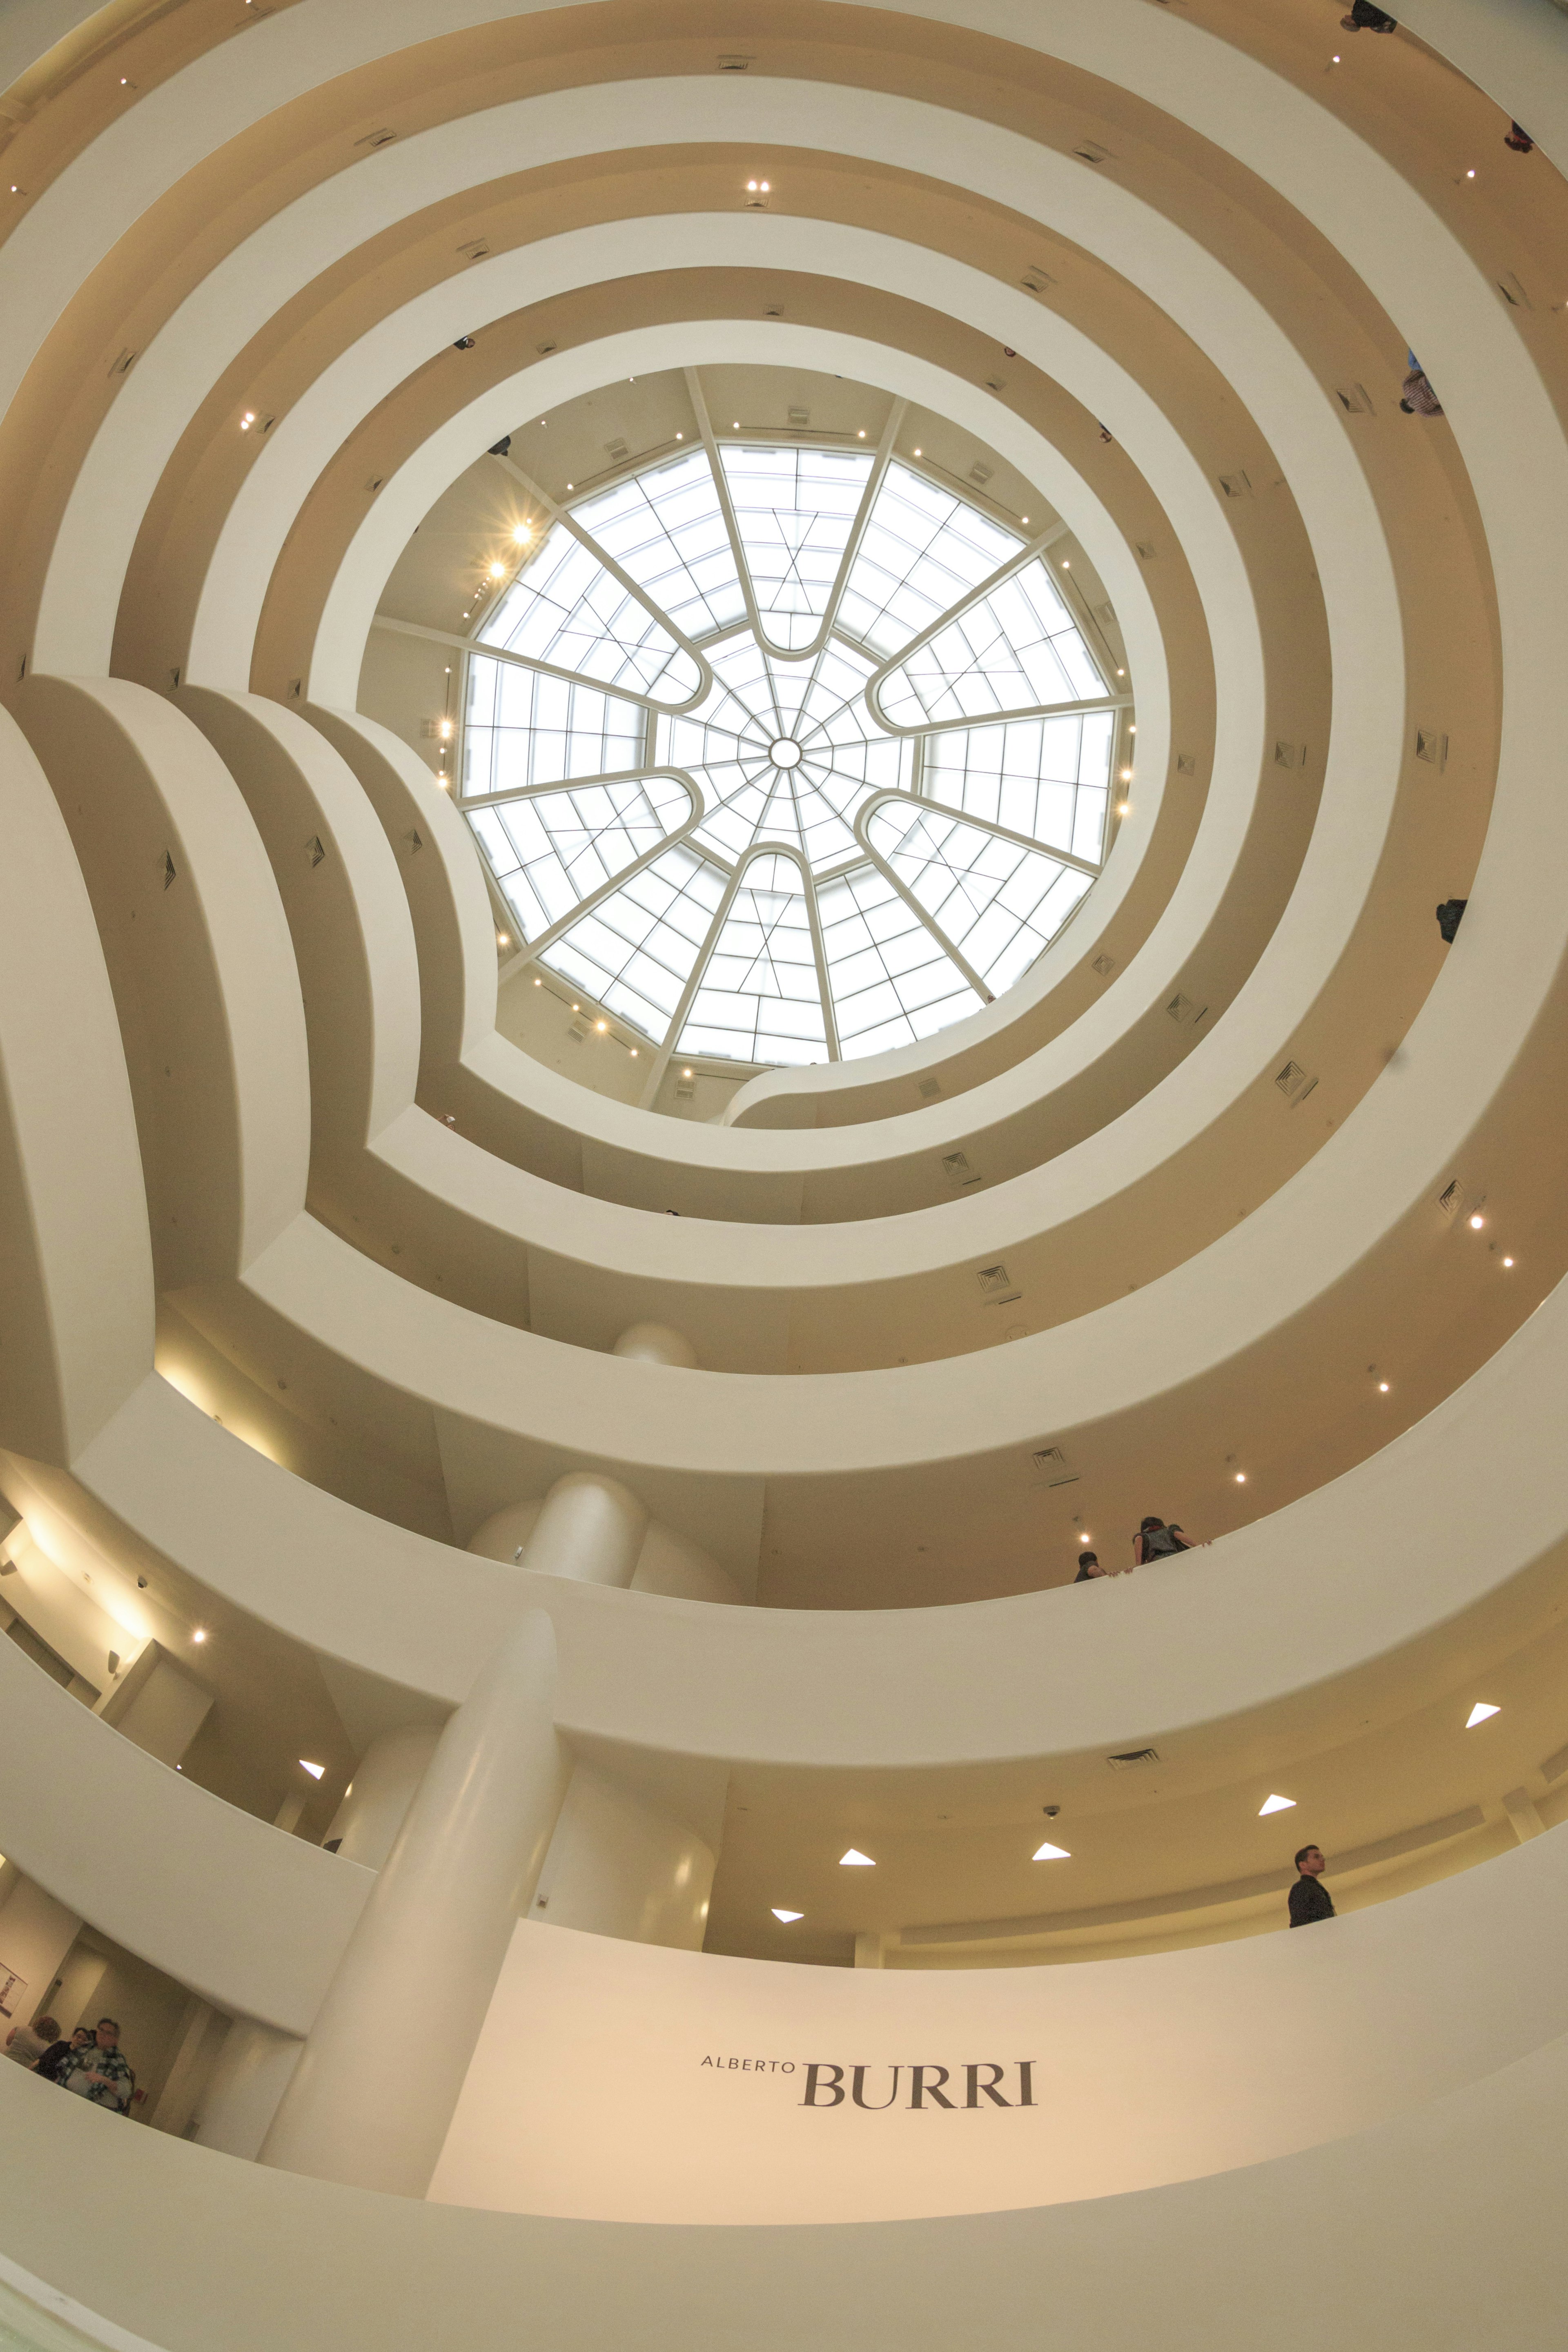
534,948
818,645
661,1060
568,521
727,509
541,669
819,950
1109,700
897,883
981,823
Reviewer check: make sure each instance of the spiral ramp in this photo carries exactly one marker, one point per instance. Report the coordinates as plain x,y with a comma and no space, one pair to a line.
898,530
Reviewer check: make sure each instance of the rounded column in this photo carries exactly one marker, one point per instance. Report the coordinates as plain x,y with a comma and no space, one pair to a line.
371,2098
591,1527
655,1343
377,1798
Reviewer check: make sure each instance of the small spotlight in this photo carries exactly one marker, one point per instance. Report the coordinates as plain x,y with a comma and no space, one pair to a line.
446,727
498,571
539,983
1382,1388
1065,566
571,486
686,1074
786,1918
521,531
1023,518
1052,1854
855,1860
1471,173
503,939
1481,1712
1507,1261
1476,1221
633,1053
681,437
764,188
1127,775
751,187
861,434
1241,1477
919,453
1122,807
601,1025
1275,1805
199,1635
1121,672
315,1770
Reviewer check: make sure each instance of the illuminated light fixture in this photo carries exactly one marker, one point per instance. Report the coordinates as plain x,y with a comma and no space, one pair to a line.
1480,1713
633,1053
736,422
1065,566
1052,1854
498,571
521,531
752,187
539,983
571,486
764,188
601,1025
315,1770
1126,775
1121,672
1507,1261
1241,1477
1023,518
681,437
855,1860
199,1635
919,453
1333,61
1476,1221
686,1074
503,939
1275,1805
1122,807
1471,173
861,434
1382,1388
788,1916
576,1008
445,729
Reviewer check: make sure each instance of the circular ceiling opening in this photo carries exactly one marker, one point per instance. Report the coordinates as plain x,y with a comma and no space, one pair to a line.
789,753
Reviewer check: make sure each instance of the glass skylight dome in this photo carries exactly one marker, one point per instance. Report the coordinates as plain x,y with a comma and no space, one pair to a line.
787,755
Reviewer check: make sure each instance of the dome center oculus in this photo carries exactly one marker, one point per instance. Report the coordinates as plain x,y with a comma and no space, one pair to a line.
784,751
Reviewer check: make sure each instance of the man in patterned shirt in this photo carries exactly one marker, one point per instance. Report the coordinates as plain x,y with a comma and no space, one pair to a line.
99,2072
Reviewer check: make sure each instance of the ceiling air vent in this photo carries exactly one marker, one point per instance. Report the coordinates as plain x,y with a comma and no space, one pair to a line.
1135,1759
1294,1082
617,451
171,871
1090,151
1104,965
1289,755
315,850
1354,399
800,418
1432,747
996,1283
578,1029
1145,548
476,249
1037,280
735,65
981,474
1054,1467
382,138
928,1089
1452,1201
1186,764
1185,1013
1236,486
685,1088
955,1167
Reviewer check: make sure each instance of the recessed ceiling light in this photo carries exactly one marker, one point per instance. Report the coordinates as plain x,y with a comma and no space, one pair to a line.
1507,1261
1382,1388
315,1770
1241,1477
1275,1805
199,1635
1122,807
1052,1854
919,453
787,1915
1476,1221
1471,173
752,187
539,983
498,571
601,1025
521,531
854,1860
1480,1713
503,939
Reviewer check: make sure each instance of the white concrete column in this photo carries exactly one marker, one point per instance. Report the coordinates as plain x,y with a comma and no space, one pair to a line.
249,2076
655,1343
591,1527
373,2095
622,1864
377,1798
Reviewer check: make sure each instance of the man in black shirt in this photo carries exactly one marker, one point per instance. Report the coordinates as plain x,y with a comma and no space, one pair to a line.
1309,1898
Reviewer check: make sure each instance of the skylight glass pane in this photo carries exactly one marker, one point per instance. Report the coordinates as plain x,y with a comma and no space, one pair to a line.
665,528
891,983
634,951
784,751
566,608
998,903
1014,650
759,999
525,729
549,852
794,509
1049,778
923,550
